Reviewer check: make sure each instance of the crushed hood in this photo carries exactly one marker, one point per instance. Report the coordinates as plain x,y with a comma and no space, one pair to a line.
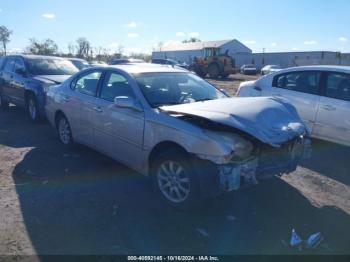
271,120
56,79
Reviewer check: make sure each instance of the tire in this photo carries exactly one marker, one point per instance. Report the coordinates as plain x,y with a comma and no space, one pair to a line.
64,131
32,108
214,71
3,103
174,178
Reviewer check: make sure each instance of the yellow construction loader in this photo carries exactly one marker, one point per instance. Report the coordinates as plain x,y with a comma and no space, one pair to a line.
213,64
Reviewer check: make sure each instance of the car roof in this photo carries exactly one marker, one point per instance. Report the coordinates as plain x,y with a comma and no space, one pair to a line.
345,69
139,68
38,57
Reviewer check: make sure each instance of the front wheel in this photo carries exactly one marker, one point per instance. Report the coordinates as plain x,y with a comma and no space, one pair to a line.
64,131
175,179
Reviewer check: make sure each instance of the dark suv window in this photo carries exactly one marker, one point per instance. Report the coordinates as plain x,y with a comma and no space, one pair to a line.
9,64
304,81
338,86
19,65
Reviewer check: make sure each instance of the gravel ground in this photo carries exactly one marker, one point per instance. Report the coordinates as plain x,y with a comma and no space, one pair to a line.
59,201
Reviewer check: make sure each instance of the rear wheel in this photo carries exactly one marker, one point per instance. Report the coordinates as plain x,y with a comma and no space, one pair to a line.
214,71
3,103
175,179
64,131
32,108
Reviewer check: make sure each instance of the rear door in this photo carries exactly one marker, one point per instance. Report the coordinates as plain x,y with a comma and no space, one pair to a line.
7,76
19,81
333,118
302,89
80,103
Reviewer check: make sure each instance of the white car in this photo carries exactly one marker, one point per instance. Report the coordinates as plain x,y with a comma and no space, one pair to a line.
268,69
321,95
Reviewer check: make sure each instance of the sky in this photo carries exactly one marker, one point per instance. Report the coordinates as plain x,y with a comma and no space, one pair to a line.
139,26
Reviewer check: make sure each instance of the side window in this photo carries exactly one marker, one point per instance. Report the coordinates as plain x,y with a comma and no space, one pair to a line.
338,86
114,86
87,84
9,65
305,82
19,64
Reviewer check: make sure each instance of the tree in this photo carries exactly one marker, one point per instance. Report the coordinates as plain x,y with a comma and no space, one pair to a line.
83,47
46,47
71,49
191,40
4,37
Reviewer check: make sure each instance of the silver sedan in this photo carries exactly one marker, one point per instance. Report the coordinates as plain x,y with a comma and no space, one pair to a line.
169,124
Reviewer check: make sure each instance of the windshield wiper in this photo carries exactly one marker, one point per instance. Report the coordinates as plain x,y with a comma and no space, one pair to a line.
165,104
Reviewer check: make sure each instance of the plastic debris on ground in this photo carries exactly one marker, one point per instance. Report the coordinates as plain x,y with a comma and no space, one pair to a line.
295,240
312,242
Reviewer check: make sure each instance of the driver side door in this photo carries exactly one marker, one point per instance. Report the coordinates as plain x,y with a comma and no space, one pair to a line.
118,132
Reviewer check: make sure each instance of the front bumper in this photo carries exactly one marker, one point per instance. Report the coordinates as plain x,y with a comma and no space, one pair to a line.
266,163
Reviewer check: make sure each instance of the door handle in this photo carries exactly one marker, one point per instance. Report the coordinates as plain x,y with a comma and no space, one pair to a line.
98,109
329,108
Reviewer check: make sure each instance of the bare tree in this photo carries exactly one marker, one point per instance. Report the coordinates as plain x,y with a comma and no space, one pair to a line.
71,48
46,47
4,37
83,48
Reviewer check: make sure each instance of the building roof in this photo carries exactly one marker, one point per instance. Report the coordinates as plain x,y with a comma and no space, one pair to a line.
194,46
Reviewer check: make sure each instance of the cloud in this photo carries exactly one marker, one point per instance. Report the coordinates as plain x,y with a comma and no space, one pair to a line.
171,42
249,42
49,16
273,44
133,35
114,45
193,34
295,49
132,24
342,39
180,34
310,42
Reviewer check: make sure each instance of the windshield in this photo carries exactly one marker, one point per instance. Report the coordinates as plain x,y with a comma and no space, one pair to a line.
51,66
175,88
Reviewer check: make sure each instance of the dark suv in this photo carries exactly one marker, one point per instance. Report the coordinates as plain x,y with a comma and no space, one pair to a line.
24,80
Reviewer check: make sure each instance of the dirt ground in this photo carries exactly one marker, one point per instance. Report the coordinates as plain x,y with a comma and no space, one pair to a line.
59,201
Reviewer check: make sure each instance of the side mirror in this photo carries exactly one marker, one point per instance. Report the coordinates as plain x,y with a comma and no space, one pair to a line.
224,91
127,102
20,71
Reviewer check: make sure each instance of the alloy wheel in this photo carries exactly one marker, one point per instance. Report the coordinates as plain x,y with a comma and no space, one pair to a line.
64,131
173,181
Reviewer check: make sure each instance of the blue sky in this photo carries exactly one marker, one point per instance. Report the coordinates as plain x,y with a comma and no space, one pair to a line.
140,25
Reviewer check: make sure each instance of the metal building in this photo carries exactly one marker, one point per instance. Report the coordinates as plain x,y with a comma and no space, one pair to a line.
185,52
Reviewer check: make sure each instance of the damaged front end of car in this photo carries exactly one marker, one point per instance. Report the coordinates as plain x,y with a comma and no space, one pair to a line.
248,159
